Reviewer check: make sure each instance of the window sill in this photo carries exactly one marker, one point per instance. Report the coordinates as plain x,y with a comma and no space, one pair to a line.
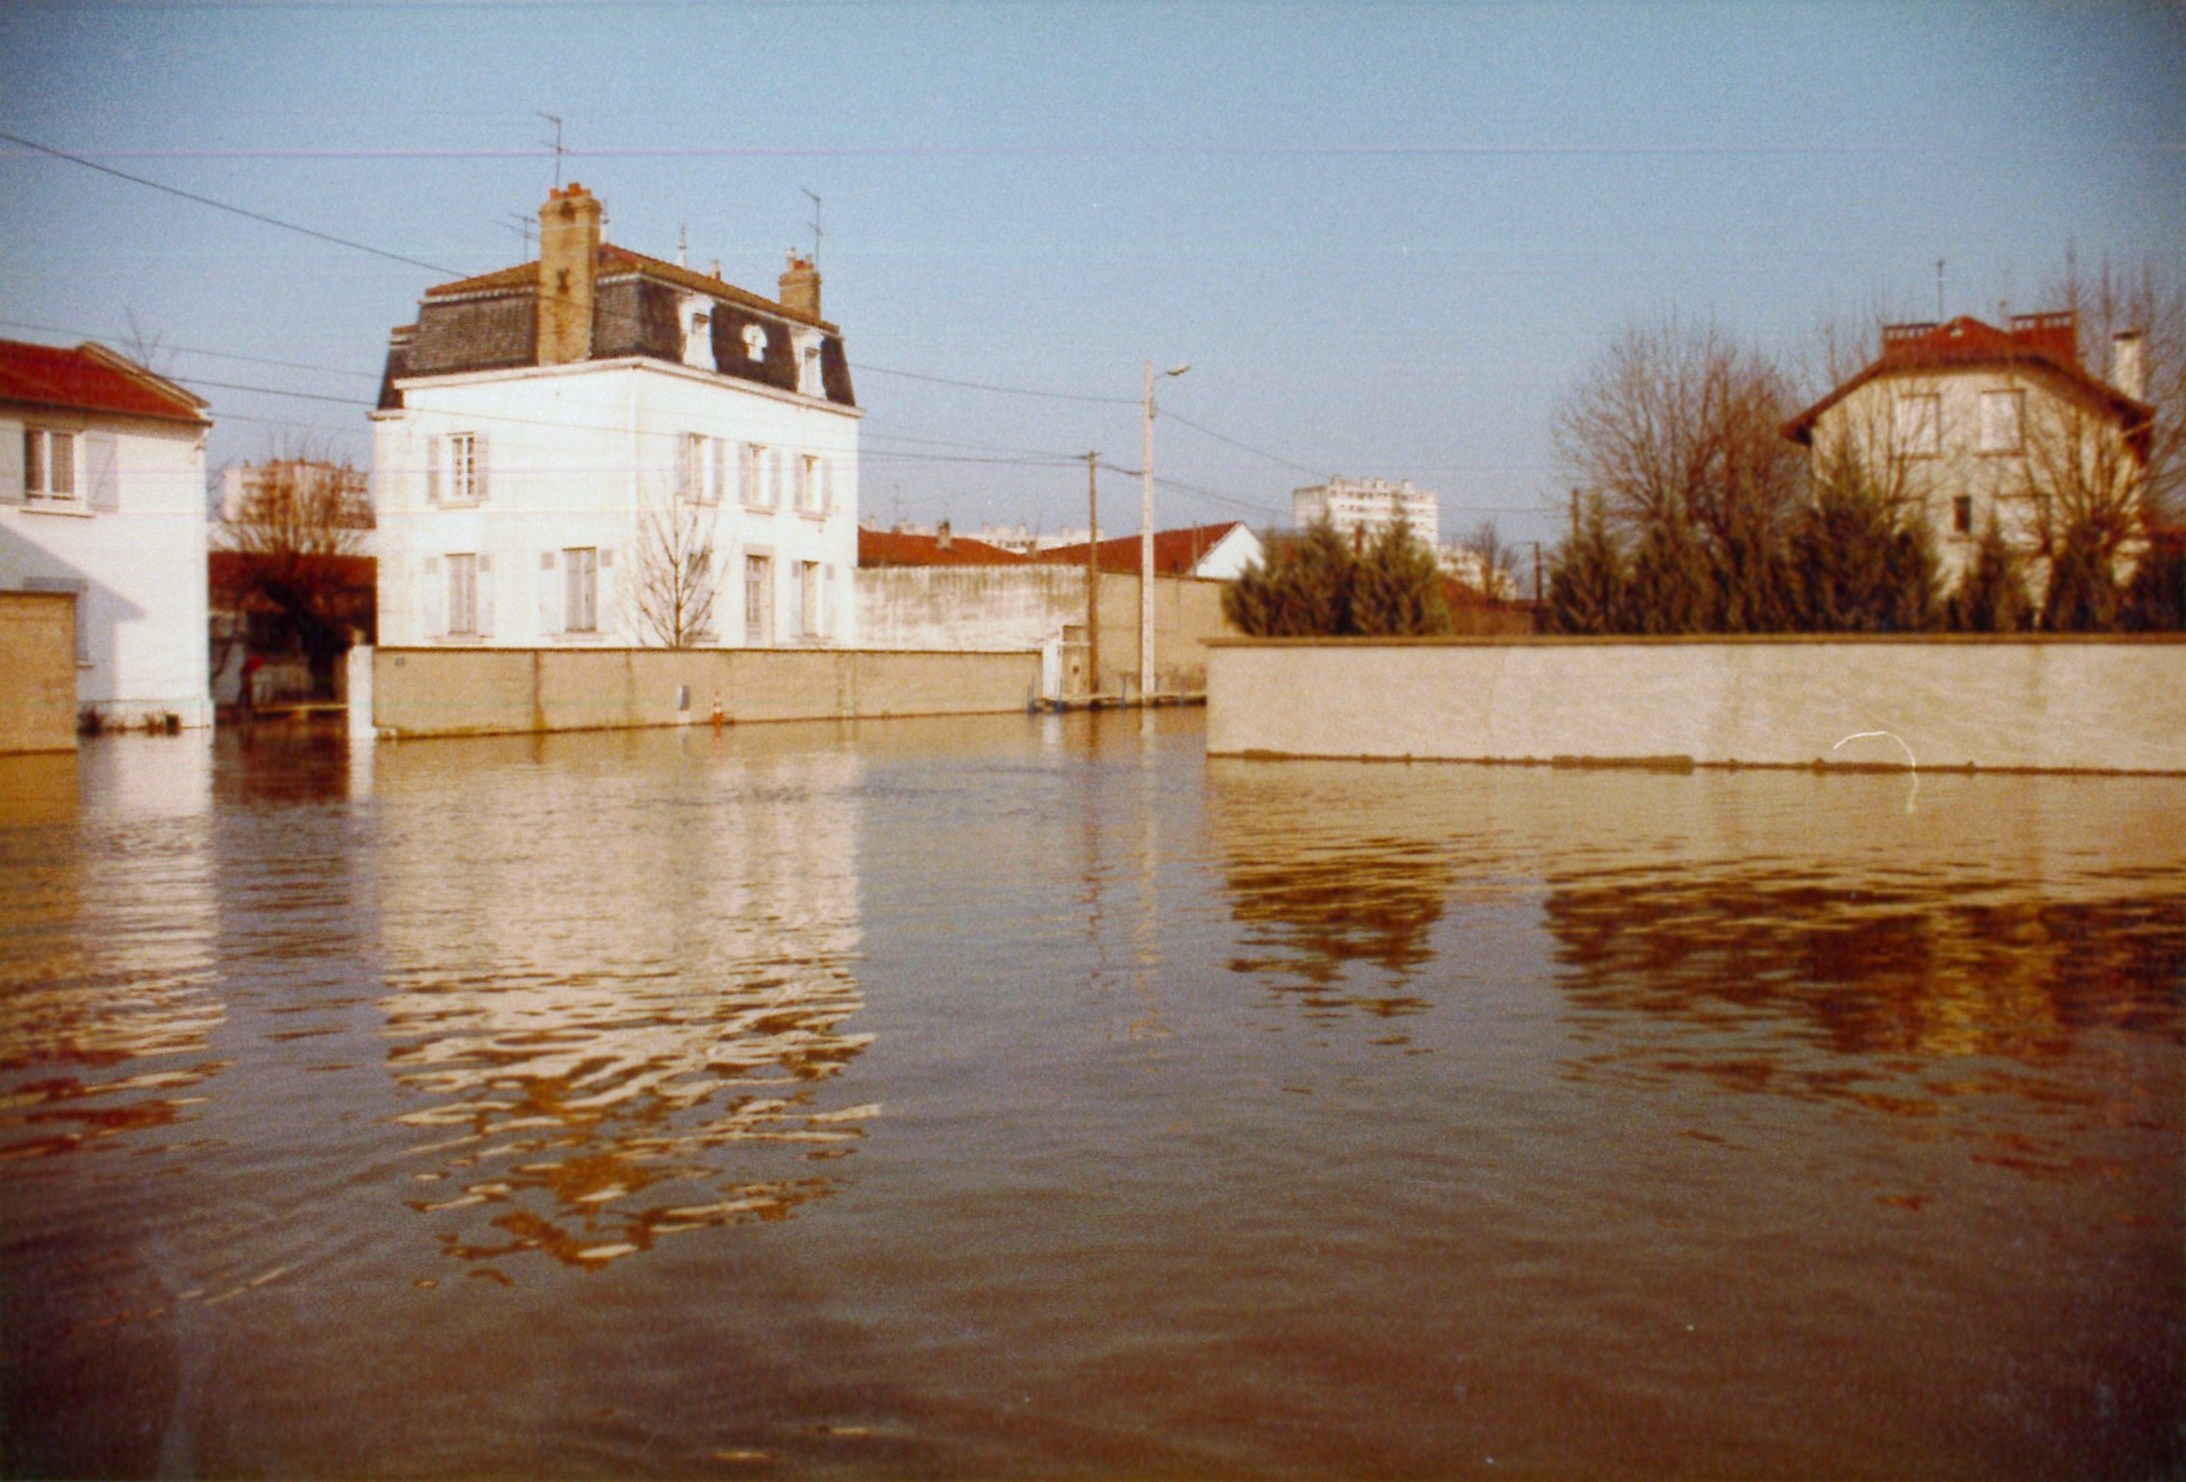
816,516
758,509
73,508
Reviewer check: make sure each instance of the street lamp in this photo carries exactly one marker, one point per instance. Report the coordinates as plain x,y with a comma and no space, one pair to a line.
1146,538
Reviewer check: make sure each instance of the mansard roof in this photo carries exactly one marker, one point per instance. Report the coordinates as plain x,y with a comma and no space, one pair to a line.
92,378
490,322
2046,345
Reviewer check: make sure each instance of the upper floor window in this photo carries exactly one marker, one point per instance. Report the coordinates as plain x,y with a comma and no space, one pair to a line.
455,468
755,342
49,464
700,468
2002,414
1920,425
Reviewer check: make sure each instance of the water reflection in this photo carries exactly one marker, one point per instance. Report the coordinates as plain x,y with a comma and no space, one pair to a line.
1762,932
619,1032
106,958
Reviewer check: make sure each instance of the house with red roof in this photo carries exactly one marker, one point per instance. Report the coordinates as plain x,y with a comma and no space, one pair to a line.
1218,552
602,448
102,496
1979,425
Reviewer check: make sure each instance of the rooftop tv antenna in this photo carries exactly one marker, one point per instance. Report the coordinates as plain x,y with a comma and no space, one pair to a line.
814,223
556,121
524,225
1939,290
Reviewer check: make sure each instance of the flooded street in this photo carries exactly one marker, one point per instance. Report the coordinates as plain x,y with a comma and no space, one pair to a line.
1033,1097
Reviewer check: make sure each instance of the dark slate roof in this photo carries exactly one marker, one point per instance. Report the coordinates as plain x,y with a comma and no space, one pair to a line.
490,322
92,378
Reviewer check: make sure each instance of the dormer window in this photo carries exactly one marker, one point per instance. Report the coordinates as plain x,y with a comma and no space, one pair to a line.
697,334
755,343
808,372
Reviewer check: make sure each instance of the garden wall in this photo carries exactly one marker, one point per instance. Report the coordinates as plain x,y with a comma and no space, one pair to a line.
2041,704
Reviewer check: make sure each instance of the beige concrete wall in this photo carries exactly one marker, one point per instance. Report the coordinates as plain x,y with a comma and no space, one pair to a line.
2114,705
450,691
1015,607
37,671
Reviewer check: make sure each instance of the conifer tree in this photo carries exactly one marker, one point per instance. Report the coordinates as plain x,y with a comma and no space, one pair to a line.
1397,587
2082,597
1587,578
1991,596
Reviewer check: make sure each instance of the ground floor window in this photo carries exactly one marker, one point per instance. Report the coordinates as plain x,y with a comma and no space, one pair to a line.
581,590
758,588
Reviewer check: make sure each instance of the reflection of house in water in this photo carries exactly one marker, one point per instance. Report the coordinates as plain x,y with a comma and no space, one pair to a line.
1328,901
615,1033
108,948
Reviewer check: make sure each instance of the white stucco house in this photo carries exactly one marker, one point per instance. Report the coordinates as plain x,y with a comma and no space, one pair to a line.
102,494
603,448
1977,426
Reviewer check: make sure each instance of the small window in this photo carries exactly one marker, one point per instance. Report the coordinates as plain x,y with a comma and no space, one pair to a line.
1920,426
2001,413
755,343
1962,515
49,464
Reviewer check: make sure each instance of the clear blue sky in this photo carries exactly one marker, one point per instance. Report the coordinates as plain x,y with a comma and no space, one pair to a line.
1387,237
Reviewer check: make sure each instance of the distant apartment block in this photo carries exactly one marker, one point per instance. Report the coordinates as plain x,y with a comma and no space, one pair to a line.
343,491
603,448
102,497
1369,505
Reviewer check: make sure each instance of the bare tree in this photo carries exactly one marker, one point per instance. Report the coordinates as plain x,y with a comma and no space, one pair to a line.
1494,564
297,535
675,581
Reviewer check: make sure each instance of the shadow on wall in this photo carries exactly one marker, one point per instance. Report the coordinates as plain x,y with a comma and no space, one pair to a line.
100,610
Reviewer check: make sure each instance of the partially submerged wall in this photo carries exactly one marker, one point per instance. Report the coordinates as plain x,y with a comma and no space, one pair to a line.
2044,704
473,691
964,608
37,671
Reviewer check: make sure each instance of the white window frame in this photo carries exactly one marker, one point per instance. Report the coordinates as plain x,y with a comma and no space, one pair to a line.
2001,411
809,379
580,589
1919,425
758,599
755,343
462,613
40,464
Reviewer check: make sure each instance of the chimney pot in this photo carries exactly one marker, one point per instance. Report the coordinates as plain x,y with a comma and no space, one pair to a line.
800,290
2129,363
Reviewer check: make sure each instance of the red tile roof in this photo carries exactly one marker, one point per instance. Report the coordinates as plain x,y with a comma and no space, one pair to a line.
2046,344
92,378
899,548
1176,552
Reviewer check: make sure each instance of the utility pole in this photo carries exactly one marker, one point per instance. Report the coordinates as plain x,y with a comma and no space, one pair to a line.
1092,576
1146,538
1574,515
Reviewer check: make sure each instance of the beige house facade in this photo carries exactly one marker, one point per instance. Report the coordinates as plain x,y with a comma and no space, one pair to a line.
1978,426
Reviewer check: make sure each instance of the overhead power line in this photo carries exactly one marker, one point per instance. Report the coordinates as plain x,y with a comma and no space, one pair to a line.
92,334
260,216
1244,447
882,370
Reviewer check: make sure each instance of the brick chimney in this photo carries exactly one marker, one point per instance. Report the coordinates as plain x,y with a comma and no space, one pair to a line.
801,287
942,539
2129,363
569,245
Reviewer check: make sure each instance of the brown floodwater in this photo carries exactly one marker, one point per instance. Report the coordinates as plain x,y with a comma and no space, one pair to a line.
1031,1096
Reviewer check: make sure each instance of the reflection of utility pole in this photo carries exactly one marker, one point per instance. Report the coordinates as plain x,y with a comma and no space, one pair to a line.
1146,539
1092,576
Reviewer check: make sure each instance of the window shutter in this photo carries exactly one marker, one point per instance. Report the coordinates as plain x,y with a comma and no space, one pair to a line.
827,601
105,477
478,474
824,470
432,470
720,468
746,484
484,598
11,463
436,599
549,618
683,466
603,600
